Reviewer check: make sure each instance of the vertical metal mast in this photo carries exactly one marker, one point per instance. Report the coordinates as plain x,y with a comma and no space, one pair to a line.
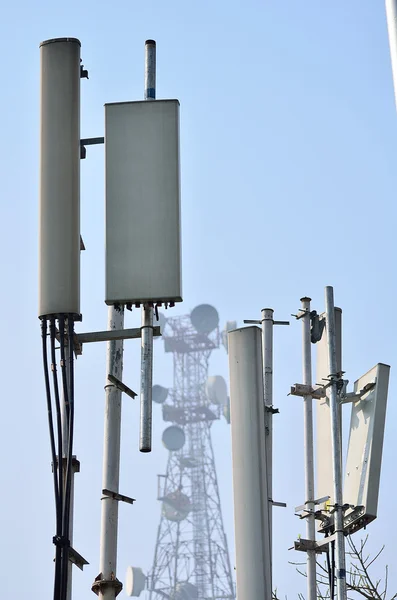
340,558
267,357
309,452
106,584
145,438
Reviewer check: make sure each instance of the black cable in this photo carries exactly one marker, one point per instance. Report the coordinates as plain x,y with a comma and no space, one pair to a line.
329,576
58,464
69,458
333,569
52,444
66,504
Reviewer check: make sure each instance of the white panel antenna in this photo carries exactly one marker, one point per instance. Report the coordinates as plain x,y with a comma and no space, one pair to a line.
364,455
143,237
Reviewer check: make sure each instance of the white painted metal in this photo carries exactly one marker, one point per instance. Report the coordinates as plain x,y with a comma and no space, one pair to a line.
59,220
308,449
143,245
364,455
251,507
391,16
111,461
324,471
336,435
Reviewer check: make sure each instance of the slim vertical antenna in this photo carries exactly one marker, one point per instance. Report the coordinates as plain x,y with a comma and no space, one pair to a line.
309,453
145,434
340,558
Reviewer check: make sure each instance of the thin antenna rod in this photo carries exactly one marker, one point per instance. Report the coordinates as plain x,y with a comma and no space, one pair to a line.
145,434
340,558
309,452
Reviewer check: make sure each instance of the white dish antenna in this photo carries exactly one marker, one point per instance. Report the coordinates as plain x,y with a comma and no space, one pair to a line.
216,390
134,581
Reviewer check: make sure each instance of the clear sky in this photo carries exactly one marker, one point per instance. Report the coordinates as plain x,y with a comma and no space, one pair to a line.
289,147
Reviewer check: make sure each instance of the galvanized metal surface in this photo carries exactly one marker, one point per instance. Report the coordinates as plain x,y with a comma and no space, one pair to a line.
145,425
145,430
336,434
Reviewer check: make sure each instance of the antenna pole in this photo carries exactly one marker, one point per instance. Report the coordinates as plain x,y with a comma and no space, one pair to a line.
267,358
309,452
106,585
340,558
145,435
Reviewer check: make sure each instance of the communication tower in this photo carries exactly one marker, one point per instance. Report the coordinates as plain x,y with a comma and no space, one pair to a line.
191,558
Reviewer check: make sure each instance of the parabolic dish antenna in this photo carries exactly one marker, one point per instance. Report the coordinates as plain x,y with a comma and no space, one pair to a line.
176,506
159,394
216,390
134,581
204,318
173,438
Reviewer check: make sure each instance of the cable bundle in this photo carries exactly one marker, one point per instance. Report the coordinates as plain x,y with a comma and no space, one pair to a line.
61,449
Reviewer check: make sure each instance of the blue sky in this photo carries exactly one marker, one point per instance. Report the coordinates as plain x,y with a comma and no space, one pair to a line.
289,146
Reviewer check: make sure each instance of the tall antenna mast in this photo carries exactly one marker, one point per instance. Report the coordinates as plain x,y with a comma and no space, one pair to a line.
145,437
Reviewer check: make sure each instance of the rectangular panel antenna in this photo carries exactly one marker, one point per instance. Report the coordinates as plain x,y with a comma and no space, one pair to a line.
364,454
143,225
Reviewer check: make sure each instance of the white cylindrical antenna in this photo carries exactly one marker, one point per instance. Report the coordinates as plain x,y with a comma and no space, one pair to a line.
251,504
391,17
145,433
59,247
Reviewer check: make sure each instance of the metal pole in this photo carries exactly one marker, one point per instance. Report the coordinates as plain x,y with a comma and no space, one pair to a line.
251,504
340,558
309,451
106,585
145,435
267,358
